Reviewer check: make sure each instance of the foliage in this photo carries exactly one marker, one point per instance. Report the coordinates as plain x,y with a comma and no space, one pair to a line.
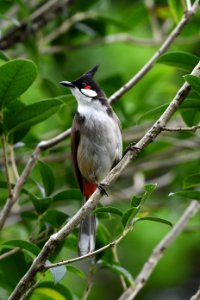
34,107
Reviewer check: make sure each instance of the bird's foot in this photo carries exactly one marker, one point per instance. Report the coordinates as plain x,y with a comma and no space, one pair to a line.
101,187
132,147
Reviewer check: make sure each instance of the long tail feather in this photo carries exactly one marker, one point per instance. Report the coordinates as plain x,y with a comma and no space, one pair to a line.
87,235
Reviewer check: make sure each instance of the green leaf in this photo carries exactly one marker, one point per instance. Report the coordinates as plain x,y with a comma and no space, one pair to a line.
58,272
153,113
191,181
15,78
129,215
149,188
103,235
54,292
179,59
71,194
22,245
47,177
155,219
120,271
136,203
41,205
33,114
55,218
108,209
136,200
190,110
76,271
187,194
194,82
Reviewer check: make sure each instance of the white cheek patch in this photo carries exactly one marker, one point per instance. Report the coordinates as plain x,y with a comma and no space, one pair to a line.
89,93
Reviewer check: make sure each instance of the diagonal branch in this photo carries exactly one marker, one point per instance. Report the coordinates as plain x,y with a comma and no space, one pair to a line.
159,250
132,82
131,153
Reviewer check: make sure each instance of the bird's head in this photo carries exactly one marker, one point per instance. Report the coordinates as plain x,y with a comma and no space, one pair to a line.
85,88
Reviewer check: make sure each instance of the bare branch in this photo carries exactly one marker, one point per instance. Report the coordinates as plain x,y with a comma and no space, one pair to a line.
37,20
93,253
177,30
131,153
181,129
159,250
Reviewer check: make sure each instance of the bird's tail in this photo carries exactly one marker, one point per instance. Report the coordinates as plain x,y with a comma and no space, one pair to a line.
87,235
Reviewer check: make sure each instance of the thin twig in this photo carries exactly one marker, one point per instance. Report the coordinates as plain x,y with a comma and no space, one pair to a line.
159,250
8,253
177,30
91,254
180,129
132,152
115,255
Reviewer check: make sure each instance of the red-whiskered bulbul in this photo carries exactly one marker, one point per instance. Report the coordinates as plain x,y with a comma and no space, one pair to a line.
96,145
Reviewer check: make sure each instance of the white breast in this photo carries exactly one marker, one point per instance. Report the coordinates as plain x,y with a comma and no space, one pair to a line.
101,142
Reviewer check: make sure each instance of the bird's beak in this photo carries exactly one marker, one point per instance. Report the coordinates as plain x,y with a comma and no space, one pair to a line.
68,84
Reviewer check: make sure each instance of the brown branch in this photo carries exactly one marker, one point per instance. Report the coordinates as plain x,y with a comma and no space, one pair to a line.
36,21
177,30
131,153
159,251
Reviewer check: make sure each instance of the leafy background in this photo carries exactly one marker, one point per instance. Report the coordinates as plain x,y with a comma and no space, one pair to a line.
35,107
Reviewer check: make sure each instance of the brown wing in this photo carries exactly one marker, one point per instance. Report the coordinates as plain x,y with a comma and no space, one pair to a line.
75,139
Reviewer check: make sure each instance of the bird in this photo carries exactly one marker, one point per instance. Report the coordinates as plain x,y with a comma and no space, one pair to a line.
96,146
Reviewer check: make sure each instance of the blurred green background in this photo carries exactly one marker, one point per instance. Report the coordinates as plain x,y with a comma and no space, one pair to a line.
121,36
